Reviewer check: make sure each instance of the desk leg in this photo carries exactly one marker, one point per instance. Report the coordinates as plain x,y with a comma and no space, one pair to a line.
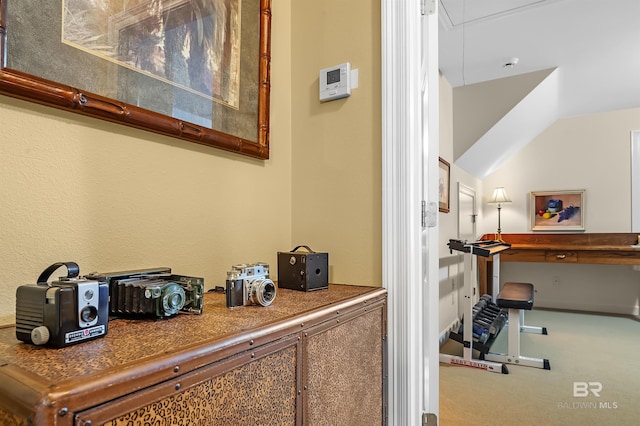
495,277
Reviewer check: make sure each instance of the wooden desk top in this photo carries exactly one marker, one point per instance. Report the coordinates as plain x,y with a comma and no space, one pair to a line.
598,241
596,248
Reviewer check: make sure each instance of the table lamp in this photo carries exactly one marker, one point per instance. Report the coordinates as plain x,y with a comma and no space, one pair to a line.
499,197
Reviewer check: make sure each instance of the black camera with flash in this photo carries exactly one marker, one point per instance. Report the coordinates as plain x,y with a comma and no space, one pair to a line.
64,312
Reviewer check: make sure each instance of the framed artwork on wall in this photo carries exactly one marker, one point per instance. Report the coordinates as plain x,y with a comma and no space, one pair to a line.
444,181
557,210
197,70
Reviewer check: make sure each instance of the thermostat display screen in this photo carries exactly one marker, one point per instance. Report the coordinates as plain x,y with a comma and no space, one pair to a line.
333,76
335,82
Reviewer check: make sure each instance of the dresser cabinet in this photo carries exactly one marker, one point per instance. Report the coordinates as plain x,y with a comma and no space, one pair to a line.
310,358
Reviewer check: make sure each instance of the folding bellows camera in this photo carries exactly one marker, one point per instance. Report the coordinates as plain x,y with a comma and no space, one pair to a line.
152,292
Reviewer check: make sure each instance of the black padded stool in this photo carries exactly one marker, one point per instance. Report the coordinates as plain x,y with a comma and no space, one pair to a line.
518,297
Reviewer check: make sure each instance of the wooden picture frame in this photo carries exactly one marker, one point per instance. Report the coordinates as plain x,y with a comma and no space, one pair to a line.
557,210
444,186
163,87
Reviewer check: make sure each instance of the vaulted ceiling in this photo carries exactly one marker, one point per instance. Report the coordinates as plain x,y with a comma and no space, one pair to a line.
594,46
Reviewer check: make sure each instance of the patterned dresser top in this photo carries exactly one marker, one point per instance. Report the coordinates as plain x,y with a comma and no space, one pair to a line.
132,340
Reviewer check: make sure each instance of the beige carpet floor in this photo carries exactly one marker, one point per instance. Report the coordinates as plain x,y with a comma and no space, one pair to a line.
583,348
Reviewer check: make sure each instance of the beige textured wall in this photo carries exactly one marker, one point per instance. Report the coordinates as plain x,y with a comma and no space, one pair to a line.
591,152
336,146
111,198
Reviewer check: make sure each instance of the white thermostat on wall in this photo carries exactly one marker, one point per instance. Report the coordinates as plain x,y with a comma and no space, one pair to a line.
335,82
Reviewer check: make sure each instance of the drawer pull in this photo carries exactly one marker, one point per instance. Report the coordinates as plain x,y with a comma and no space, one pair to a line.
561,256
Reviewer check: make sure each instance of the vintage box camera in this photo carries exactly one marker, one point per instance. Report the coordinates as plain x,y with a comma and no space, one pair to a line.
65,312
152,292
303,271
249,284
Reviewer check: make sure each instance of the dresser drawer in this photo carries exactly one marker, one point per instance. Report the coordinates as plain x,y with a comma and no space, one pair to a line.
519,255
561,256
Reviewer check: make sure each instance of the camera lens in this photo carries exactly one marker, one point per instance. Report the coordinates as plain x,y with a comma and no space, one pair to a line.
263,291
173,298
88,314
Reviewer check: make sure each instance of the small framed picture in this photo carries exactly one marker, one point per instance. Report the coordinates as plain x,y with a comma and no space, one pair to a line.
443,186
557,210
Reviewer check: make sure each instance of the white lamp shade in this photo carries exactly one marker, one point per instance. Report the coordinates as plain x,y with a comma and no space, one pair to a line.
499,196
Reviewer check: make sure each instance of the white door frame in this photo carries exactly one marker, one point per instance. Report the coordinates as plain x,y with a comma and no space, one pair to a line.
431,234
409,164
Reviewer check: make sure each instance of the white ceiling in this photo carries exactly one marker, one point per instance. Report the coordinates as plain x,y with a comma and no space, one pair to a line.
595,44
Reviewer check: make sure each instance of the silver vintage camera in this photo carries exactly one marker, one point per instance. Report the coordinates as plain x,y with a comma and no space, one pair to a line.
249,284
154,292
64,312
